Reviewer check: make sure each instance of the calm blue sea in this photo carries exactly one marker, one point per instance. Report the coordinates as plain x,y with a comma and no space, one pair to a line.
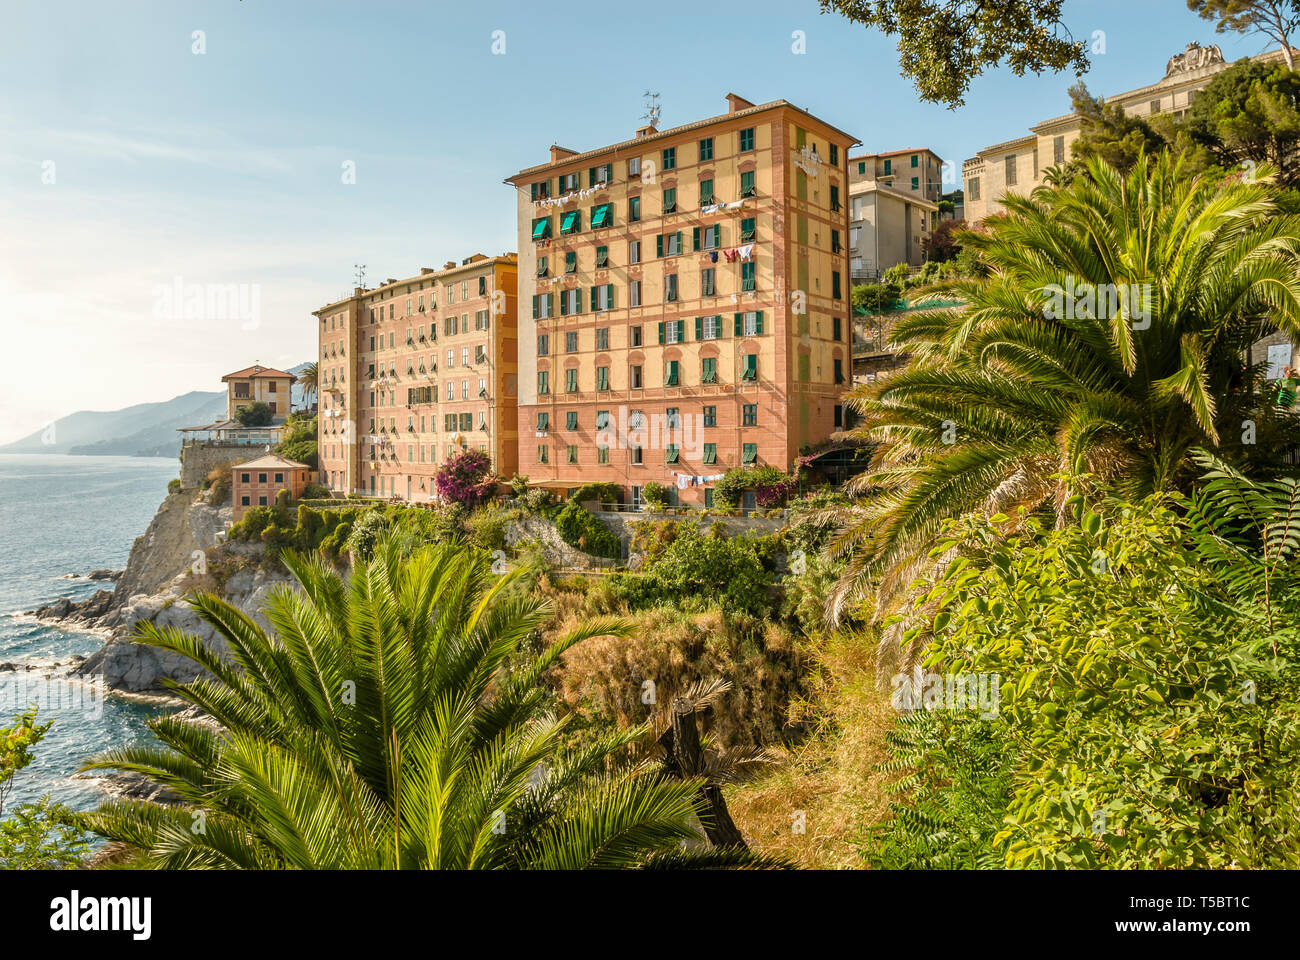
61,515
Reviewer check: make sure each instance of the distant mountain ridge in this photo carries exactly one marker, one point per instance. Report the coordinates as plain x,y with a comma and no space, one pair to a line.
142,430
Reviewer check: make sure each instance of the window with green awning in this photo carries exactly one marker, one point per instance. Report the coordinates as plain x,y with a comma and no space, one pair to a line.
541,228
600,216
571,223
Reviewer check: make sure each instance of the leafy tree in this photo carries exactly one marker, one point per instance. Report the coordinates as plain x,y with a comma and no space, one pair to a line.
876,297
1150,707
582,529
393,721
655,495
309,381
35,836
944,44
1021,387
466,478
1275,19
942,244
1250,113
299,441
1108,133
255,414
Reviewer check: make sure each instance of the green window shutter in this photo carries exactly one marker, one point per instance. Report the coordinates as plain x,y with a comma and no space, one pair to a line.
695,238
659,245
661,333
611,295
699,328
681,331
679,241
548,305
534,307
759,323
739,321
594,299
578,298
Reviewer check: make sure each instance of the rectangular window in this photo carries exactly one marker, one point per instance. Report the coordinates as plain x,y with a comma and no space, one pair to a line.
634,336
707,282
634,251
602,256
1058,150
706,192
636,456
835,197
710,416
633,209
634,376
916,183
543,421
708,328
709,370
543,344
839,370
543,381
1010,165
973,185
602,454
571,262
747,184
634,167
747,230
541,230
672,454
602,378
889,166
670,373
837,328
571,222
570,301
839,416
573,453
571,341
706,149
543,453
710,453
571,381
835,155
670,200
568,182
602,419
602,216
541,191
601,174
836,246
836,289
750,453
669,158
634,293
670,288
602,338
748,277
746,139
749,371
672,331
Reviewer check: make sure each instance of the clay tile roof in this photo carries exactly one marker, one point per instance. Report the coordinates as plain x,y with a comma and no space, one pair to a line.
257,370
272,460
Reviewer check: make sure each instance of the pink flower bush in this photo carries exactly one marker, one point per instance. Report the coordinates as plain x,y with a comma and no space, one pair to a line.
466,478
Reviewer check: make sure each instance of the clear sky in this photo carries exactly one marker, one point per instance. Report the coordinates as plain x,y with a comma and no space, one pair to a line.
128,162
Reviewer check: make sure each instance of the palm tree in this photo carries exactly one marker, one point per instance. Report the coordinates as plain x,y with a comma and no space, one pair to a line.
309,380
393,721
1031,384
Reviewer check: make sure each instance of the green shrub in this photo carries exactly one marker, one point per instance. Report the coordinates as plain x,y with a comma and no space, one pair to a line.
487,526
366,531
604,492
174,485
537,501
316,491
255,414
655,495
697,572
579,528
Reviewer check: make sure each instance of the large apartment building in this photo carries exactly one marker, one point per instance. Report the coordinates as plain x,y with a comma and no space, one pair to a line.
413,371
893,206
1017,166
684,301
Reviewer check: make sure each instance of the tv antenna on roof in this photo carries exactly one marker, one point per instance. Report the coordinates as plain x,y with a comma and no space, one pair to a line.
652,109
361,274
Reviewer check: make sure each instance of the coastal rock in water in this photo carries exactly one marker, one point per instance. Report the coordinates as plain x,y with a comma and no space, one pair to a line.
103,574
127,665
87,611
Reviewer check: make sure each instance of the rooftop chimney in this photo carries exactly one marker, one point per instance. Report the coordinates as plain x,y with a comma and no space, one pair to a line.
558,153
449,264
426,270
645,131
735,103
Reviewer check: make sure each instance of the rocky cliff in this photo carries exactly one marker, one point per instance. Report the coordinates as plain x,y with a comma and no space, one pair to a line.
166,562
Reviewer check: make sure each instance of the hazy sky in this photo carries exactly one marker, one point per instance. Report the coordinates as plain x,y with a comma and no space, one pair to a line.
129,163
